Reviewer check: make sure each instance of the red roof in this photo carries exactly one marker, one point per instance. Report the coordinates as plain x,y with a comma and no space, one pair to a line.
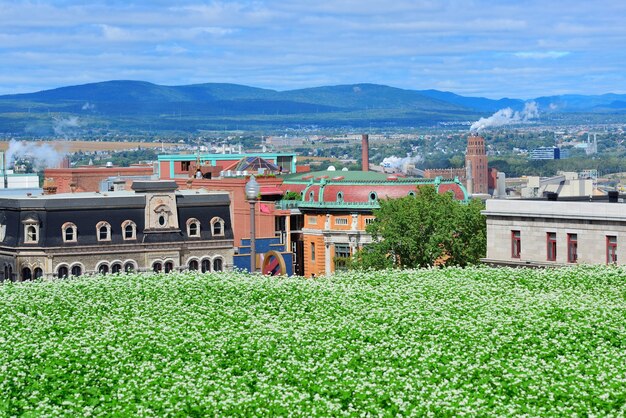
270,190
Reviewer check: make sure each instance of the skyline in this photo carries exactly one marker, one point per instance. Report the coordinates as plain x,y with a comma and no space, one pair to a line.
510,49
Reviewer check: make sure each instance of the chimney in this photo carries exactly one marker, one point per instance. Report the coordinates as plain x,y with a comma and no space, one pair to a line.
49,187
365,153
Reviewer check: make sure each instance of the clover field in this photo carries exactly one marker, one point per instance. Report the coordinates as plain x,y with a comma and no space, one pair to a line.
476,341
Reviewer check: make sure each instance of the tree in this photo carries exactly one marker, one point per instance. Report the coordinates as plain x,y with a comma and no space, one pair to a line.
427,229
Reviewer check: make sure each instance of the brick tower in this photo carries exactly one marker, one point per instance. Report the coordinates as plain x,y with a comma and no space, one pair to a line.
476,158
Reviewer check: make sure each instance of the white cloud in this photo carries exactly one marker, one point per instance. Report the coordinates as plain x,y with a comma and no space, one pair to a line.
541,54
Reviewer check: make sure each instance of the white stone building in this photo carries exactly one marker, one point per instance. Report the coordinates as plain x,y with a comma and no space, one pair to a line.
552,233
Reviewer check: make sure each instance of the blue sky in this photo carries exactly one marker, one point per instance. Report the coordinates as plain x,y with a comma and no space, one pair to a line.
489,48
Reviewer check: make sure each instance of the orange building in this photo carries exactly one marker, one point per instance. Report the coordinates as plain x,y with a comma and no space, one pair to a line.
476,158
336,208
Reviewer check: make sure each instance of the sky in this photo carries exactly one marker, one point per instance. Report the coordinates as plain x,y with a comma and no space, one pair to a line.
488,48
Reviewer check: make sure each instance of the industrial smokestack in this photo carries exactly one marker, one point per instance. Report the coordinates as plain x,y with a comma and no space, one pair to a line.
365,152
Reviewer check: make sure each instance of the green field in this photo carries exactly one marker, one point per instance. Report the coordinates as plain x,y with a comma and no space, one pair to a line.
495,342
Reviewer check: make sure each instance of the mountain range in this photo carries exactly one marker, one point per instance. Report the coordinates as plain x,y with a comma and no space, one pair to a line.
141,106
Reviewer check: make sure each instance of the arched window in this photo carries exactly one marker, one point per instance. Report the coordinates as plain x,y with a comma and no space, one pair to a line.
70,232
130,230
373,196
27,274
311,196
193,265
340,197
103,268
412,193
193,227
169,266
31,235
129,267
217,227
6,272
206,265
103,229
157,267
116,268
63,272
77,270
38,273
218,264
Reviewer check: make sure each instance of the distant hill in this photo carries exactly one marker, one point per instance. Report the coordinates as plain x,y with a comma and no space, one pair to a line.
132,106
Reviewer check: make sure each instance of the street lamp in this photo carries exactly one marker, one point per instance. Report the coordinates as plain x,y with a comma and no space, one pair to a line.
252,192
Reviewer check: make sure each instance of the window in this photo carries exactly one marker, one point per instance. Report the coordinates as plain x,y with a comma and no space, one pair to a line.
116,268
516,244
193,265
169,266
217,227
342,254
611,249
130,230
369,221
341,221
129,267
340,197
572,248
38,273
311,196
31,234
412,193
206,265
373,196
27,274
218,264
551,246
63,272
312,251
157,267
312,220
77,271
69,232
193,228
103,269
103,229
162,220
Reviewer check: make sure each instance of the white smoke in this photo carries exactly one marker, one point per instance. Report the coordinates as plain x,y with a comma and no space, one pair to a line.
399,162
42,155
88,106
507,117
65,126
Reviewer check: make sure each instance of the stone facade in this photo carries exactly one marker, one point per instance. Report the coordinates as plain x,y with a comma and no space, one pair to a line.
154,228
581,230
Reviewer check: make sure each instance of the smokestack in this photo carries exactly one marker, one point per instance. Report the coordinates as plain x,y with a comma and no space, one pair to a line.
365,153
501,186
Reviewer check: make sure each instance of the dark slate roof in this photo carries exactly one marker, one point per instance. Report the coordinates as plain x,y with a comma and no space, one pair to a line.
154,186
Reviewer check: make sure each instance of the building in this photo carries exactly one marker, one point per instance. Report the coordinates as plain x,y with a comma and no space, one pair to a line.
152,228
476,165
541,232
96,178
328,225
565,184
548,153
185,165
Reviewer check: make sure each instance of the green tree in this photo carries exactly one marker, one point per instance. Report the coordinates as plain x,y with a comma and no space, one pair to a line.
429,229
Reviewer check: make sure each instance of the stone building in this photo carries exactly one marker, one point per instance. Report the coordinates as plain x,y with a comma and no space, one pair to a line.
152,228
555,232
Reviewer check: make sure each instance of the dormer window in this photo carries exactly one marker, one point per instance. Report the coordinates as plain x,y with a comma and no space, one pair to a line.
70,232
103,231
217,227
340,197
193,227
31,230
130,230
